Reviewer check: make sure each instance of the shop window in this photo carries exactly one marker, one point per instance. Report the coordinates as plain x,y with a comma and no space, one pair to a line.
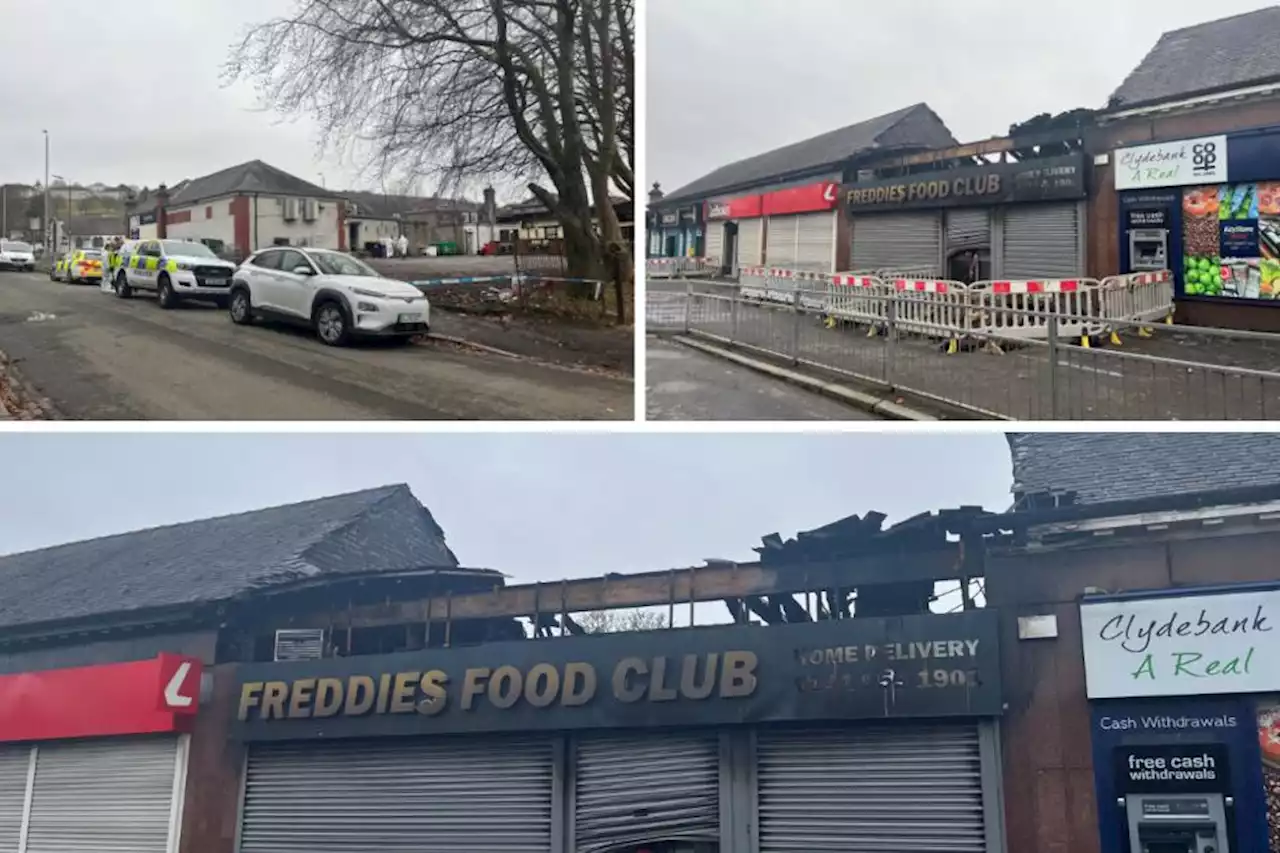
208,212
1269,742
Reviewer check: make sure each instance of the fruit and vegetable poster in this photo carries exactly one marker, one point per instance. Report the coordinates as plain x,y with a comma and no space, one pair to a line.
1269,741
1231,241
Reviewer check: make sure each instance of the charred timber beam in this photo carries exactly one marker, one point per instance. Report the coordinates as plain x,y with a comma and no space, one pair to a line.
711,583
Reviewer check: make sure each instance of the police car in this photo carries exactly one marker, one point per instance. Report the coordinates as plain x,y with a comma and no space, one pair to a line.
175,270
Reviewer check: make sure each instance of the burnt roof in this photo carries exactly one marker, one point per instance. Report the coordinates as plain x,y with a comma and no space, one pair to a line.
217,559
1222,54
370,205
828,149
1105,467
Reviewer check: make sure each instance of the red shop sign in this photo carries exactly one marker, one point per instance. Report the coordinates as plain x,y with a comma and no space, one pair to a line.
139,697
745,207
806,199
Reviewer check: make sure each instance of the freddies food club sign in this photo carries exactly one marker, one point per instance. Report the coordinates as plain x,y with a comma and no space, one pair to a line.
1175,645
875,668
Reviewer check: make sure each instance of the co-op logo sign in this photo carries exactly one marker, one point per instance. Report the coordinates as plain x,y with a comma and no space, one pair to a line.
1181,645
1172,164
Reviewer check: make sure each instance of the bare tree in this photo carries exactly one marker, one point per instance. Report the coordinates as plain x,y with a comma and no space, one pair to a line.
615,621
538,91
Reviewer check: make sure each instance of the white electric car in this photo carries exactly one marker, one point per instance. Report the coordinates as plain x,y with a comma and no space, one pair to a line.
335,294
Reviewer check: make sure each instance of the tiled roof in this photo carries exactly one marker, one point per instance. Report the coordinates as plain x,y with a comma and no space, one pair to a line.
201,562
923,129
252,177
1221,54
1103,467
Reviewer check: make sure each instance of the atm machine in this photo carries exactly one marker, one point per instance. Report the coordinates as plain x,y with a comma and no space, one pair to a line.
1177,823
1148,249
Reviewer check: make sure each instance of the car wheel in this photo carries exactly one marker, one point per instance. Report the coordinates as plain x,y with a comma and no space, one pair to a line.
331,324
165,296
121,286
241,308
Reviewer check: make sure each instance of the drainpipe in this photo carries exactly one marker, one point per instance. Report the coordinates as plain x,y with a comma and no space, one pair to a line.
256,247
162,204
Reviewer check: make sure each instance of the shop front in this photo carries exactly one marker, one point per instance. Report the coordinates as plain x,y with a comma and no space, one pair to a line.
1209,209
653,234
735,232
1001,220
95,758
1184,689
800,227
669,234
840,736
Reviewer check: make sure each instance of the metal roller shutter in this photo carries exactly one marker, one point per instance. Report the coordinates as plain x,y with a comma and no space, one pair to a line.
714,243
103,795
780,243
750,242
1041,242
425,796
897,241
14,763
816,242
909,789
645,788
967,229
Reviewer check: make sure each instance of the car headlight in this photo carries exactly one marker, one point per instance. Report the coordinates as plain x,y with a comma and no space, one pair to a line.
372,294
183,265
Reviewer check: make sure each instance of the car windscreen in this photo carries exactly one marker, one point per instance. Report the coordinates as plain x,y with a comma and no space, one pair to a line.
336,263
14,246
189,250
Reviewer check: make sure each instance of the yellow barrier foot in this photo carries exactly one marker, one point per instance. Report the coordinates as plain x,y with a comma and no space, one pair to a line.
1144,332
1168,321
1115,340
871,331
953,346
1084,341
830,322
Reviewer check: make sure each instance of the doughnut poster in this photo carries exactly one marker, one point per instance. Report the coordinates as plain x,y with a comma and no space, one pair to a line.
1231,241
1269,740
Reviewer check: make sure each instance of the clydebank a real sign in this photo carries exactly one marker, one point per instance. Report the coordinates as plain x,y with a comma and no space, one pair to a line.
919,666
1182,645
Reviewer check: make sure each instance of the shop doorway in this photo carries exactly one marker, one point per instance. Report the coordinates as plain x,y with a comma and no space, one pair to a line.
671,247
969,265
729,258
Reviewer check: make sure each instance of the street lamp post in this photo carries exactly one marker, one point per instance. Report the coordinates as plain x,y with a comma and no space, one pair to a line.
48,224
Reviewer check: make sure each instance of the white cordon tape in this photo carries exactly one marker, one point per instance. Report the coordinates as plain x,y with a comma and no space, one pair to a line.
676,267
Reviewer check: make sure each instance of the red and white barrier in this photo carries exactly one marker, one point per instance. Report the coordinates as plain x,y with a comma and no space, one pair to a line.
753,283
1021,309
934,307
853,298
680,267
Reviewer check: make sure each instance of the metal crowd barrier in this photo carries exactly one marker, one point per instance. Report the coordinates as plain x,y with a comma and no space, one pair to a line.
1138,298
952,310
680,267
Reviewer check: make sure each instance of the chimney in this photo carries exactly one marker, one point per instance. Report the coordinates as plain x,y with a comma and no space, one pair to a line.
162,204
655,194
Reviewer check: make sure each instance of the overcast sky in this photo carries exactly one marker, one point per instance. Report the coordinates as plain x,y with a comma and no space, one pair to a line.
537,506
728,79
130,92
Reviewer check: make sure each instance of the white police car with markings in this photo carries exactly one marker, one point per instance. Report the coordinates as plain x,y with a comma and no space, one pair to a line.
338,296
175,270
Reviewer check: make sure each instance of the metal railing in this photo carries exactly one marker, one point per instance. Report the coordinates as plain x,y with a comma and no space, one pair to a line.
1161,372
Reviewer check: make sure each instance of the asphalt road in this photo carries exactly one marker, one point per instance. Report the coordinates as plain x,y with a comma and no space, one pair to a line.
99,357
687,385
